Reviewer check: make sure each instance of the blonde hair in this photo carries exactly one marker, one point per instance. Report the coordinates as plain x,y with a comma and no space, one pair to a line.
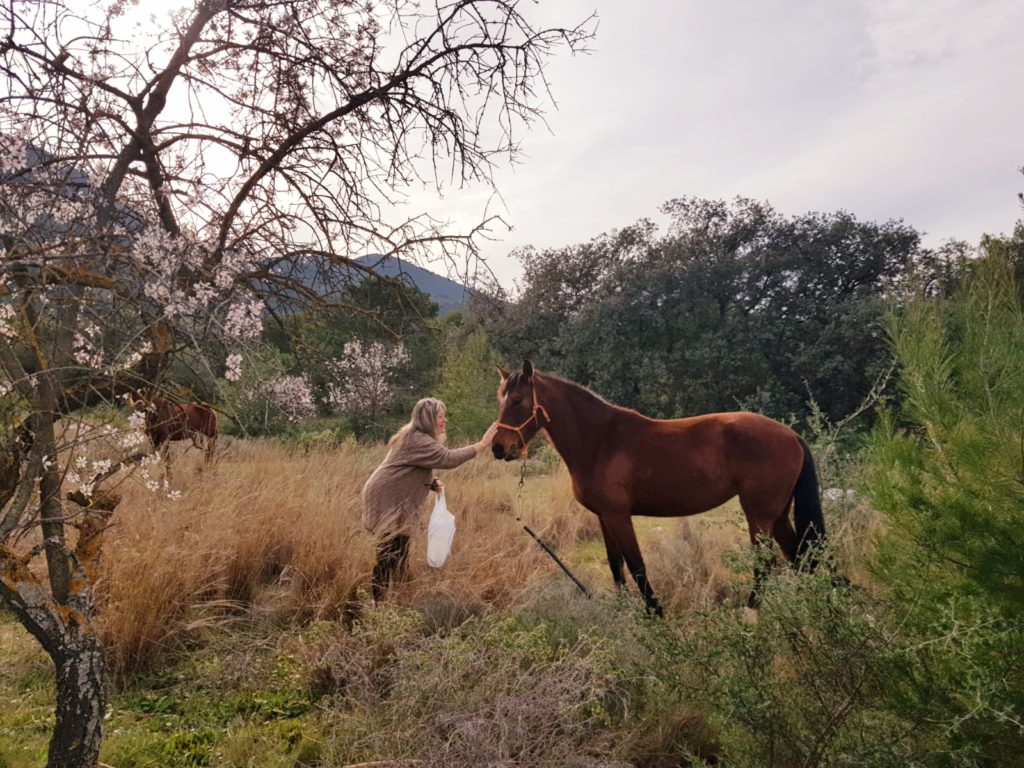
424,419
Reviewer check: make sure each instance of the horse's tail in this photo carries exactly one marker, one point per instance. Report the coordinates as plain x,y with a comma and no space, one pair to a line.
810,523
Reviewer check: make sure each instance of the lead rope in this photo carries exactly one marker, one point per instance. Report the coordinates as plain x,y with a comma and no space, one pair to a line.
544,546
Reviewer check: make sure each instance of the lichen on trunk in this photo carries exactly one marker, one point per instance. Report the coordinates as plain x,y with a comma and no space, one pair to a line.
81,701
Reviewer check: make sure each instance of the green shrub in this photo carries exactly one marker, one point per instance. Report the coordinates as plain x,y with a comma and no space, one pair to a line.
824,677
948,471
548,686
949,474
319,435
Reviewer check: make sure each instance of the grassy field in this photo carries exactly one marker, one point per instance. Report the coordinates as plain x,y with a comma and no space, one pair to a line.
240,632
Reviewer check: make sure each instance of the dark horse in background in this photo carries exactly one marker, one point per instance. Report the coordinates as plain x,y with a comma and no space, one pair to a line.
623,464
167,421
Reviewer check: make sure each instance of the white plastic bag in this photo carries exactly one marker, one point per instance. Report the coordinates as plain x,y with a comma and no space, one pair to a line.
440,532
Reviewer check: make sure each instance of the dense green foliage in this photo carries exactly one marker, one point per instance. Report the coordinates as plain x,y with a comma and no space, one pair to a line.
948,470
735,306
370,310
468,381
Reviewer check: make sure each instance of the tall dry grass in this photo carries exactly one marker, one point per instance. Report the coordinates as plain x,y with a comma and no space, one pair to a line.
272,532
275,531
261,517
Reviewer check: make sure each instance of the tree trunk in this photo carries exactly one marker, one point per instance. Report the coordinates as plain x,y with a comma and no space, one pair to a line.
81,702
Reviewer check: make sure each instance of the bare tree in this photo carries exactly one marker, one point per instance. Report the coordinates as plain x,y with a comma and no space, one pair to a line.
160,183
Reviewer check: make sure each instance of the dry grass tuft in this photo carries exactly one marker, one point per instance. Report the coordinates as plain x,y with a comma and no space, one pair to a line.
689,563
261,519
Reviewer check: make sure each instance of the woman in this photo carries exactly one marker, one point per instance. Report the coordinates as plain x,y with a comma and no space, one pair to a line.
393,496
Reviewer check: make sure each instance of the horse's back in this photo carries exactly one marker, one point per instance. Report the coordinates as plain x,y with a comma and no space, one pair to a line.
710,433
179,421
689,465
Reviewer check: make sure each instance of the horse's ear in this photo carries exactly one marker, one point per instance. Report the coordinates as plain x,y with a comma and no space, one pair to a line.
527,370
503,373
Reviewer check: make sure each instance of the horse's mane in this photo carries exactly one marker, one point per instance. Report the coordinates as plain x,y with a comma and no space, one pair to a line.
578,393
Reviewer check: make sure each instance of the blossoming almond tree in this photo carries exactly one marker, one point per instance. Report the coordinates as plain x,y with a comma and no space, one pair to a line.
169,185
365,377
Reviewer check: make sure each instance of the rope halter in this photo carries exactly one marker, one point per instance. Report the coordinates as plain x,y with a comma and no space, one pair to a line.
537,407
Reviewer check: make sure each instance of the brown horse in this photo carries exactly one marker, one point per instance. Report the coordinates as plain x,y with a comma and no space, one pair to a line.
167,421
623,464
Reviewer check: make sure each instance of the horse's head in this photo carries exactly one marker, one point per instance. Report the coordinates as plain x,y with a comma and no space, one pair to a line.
521,416
143,403
147,404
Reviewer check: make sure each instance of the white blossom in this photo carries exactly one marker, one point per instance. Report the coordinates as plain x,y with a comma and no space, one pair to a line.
129,439
85,352
8,317
233,367
293,396
13,147
364,376
130,361
244,320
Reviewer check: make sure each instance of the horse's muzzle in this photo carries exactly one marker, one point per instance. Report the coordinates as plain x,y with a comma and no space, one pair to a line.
501,452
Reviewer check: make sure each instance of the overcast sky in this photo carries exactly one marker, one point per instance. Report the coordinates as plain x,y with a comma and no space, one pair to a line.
905,109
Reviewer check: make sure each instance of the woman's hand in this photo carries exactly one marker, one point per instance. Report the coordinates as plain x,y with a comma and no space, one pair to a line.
437,486
485,442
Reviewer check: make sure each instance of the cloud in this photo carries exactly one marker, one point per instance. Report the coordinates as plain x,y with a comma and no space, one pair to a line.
895,109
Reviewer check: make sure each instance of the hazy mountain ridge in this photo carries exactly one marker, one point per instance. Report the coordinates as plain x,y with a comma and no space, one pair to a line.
447,293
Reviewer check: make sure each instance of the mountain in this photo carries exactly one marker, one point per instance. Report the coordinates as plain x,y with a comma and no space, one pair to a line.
448,294
329,280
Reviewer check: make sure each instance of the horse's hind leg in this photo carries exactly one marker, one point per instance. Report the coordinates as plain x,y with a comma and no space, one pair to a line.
211,444
615,560
784,533
619,528
765,522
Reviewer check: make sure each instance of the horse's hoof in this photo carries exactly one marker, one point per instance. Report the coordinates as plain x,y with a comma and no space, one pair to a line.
655,608
840,582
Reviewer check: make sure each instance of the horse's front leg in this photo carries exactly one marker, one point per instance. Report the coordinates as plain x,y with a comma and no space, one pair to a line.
619,528
163,452
615,559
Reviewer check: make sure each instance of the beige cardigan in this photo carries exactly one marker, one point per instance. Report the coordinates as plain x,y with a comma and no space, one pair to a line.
393,496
